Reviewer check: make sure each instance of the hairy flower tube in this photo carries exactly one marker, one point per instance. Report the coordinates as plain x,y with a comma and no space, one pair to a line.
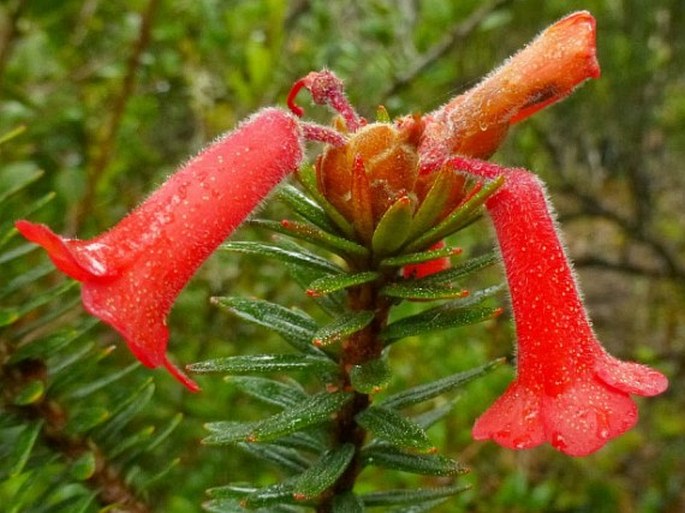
568,390
133,273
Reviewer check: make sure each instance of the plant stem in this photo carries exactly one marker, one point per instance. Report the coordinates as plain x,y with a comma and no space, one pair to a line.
362,347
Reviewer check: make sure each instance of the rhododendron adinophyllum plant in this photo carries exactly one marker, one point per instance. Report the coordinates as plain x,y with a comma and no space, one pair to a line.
415,166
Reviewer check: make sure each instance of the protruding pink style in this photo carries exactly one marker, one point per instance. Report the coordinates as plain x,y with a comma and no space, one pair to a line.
547,70
568,391
133,273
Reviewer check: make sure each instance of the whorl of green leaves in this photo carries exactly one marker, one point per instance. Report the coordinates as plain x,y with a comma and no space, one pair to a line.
303,439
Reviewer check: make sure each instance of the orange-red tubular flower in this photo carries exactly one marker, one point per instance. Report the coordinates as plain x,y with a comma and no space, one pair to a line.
568,390
133,273
545,71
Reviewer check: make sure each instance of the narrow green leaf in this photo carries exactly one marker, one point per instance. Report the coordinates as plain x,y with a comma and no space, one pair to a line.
84,467
316,410
393,228
86,389
8,231
342,327
295,326
424,464
9,316
423,507
328,284
415,289
86,418
279,493
313,235
305,207
470,266
25,181
248,364
371,377
434,415
390,426
125,411
438,387
418,258
234,506
322,474
25,279
347,503
32,392
23,446
285,458
450,315
457,219
269,391
164,434
409,497
301,257
53,343
7,136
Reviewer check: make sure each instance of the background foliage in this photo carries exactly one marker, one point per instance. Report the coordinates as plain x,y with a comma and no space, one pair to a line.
111,96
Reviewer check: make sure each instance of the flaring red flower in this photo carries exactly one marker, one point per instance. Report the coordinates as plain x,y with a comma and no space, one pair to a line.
568,390
133,273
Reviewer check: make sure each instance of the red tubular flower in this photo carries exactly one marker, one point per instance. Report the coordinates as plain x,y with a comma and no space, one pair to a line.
568,390
133,273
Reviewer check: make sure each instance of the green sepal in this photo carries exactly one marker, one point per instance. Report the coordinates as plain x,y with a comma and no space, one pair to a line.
327,284
295,326
269,391
23,446
433,204
459,217
300,257
347,503
262,363
30,393
316,410
393,228
307,177
409,497
83,467
419,258
371,377
449,315
390,426
382,115
342,327
313,235
438,387
424,464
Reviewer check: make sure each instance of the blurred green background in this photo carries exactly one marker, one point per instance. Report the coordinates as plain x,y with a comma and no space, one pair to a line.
114,95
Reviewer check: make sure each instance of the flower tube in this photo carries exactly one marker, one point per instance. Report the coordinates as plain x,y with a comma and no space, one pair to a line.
568,390
546,71
133,273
